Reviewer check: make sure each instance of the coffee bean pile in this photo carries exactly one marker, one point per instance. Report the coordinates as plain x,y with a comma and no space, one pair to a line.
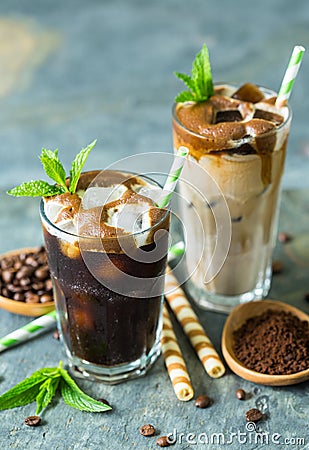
25,277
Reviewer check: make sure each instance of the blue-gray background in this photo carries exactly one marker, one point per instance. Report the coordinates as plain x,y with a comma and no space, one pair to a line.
77,70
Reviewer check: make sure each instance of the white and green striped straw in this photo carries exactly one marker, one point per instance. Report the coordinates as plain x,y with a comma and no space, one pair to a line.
176,250
173,177
32,329
290,76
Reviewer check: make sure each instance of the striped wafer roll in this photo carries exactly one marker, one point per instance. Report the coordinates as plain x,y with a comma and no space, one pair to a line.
174,361
192,327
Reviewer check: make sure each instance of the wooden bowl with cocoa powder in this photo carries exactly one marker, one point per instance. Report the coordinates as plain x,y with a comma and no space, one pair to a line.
237,318
38,301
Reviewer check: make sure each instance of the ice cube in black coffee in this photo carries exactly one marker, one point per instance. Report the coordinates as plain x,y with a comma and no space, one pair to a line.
228,116
267,115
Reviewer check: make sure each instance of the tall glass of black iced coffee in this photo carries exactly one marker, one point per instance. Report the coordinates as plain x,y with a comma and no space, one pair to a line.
107,246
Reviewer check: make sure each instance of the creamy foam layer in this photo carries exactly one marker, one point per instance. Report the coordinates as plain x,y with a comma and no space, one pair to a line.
229,119
115,205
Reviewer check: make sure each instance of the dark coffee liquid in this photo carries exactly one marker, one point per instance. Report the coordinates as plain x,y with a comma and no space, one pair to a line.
99,325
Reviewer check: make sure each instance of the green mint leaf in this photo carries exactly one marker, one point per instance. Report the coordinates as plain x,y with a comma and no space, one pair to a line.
23,393
47,392
36,188
200,83
53,167
75,397
185,96
186,79
78,164
201,75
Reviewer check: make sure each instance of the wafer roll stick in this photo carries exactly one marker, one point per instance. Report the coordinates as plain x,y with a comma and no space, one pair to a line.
192,327
174,361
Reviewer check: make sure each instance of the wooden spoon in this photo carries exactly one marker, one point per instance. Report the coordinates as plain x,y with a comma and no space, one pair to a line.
235,320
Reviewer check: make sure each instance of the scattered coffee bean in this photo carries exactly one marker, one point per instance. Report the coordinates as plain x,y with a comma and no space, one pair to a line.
284,238
203,401
162,441
33,421
277,267
307,297
253,415
147,430
27,275
56,336
240,394
103,400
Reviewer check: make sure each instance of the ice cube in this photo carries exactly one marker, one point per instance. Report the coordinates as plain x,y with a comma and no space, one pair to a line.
228,116
99,196
132,217
248,92
268,115
152,192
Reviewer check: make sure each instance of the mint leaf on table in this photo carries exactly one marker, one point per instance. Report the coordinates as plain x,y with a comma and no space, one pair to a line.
53,167
42,386
75,397
24,392
200,82
78,164
55,170
38,188
46,393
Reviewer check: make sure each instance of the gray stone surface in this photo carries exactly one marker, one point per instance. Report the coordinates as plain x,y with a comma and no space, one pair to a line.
76,70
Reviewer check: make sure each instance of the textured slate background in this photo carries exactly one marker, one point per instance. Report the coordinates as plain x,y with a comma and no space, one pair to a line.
72,71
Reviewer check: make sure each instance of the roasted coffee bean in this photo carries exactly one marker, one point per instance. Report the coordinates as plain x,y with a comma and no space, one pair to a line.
25,282
5,292
284,238
30,261
56,336
34,298
203,401
19,297
33,421
307,297
147,430
253,415
48,285
42,273
277,267
38,286
162,441
103,400
46,298
240,394
8,275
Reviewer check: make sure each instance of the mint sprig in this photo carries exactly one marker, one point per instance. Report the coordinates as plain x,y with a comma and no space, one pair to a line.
54,170
42,386
200,82
78,164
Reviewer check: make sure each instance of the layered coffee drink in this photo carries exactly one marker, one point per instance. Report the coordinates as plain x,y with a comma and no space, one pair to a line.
107,245
239,138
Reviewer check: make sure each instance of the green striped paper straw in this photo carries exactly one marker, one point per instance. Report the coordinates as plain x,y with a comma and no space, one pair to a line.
173,177
176,250
290,76
32,329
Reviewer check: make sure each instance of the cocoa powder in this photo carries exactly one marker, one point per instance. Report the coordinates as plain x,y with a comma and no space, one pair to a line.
273,343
